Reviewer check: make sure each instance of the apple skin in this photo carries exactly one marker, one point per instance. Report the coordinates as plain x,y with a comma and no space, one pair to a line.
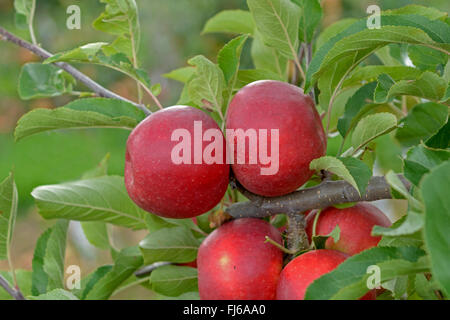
269,104
355,223
234,262
164,188
304,269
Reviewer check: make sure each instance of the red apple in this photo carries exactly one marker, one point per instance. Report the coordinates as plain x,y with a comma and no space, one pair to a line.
303,270
235,263
355,224
159,185
274,105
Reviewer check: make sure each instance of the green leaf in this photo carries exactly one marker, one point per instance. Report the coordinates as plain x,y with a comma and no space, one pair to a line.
371,73
126,263
319,241
424,288
182,74
100,199
337,167
346,50
398,187
426,58
173,281
434,187
38,80
56,294
48,259
354,104
268,58
229,57
429,86
359,171
371,127
88,282
99,53
420,160
413,223
440,140
349,279
80,114
422,122
97,234
333,30
206,88
120,18
23,281
230,21
169,244
84,53
277,21
311,15
8,213
24,12
245,77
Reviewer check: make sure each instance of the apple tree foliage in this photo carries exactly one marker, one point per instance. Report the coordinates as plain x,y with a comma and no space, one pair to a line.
384,97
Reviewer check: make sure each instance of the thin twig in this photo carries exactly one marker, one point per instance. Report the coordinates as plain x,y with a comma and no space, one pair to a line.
91,84
15,293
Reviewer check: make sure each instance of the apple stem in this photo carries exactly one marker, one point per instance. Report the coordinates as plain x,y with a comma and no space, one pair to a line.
279,246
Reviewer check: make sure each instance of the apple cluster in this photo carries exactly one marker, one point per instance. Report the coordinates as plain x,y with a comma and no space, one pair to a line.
235,261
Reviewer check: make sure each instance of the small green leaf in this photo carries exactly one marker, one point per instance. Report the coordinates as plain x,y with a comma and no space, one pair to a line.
429,86
230,21
229,57
424,287
422,122
24,12
8,213
99,199
434,188
335,166
206,88
420,160
371,127
56,294
354,104
38,80
277,21
319,241
268,58
120,18
311,14
412,223
169,244
397,185
440,140
173,281
349,279
359,171
48,259
125,264
182,74
371,73
84,53
426,58
245,77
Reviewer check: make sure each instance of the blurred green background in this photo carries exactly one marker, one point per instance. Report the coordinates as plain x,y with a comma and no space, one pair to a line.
170,35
